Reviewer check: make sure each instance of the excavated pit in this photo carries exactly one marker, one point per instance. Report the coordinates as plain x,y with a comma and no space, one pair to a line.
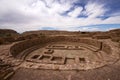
64,53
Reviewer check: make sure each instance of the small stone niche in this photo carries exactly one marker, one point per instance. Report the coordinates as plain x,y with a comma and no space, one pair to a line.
49,51
45,57
69,47
35,56
76,47
82,60
70,60
58,46
56,58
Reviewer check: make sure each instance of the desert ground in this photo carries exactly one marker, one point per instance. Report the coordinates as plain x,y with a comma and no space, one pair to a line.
59,55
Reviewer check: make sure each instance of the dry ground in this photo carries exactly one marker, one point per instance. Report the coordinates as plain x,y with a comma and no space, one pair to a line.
111,72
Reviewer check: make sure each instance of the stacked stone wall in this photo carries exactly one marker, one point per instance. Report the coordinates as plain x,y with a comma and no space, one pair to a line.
21,46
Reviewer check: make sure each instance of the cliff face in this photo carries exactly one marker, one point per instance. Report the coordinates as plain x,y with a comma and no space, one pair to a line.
50,32
7,36
115,32
115,35
7,32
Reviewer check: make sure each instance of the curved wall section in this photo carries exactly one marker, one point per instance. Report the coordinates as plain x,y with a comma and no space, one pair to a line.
23,45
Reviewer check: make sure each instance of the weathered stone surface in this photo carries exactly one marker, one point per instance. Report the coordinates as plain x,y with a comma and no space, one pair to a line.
6,71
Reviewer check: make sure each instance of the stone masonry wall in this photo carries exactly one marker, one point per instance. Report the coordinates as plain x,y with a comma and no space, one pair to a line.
21,46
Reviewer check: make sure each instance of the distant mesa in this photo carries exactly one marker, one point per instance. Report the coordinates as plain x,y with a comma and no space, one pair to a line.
8,35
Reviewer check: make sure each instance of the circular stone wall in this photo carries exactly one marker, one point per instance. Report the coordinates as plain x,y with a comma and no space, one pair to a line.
64,53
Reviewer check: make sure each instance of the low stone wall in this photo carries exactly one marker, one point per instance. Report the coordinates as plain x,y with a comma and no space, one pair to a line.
21,46
79,40
101,37
95,43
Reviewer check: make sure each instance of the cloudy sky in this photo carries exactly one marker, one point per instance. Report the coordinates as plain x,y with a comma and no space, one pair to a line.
77,15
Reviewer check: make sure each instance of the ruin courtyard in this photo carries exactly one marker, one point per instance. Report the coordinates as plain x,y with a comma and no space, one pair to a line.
60,55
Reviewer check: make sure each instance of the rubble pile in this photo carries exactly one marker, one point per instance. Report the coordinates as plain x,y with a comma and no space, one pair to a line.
6,70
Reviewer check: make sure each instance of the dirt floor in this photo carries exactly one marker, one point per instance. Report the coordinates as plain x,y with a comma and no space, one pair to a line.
111,72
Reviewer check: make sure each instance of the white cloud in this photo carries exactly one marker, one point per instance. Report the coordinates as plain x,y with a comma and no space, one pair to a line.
76,12
47,13
89,29
94,10
112,20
